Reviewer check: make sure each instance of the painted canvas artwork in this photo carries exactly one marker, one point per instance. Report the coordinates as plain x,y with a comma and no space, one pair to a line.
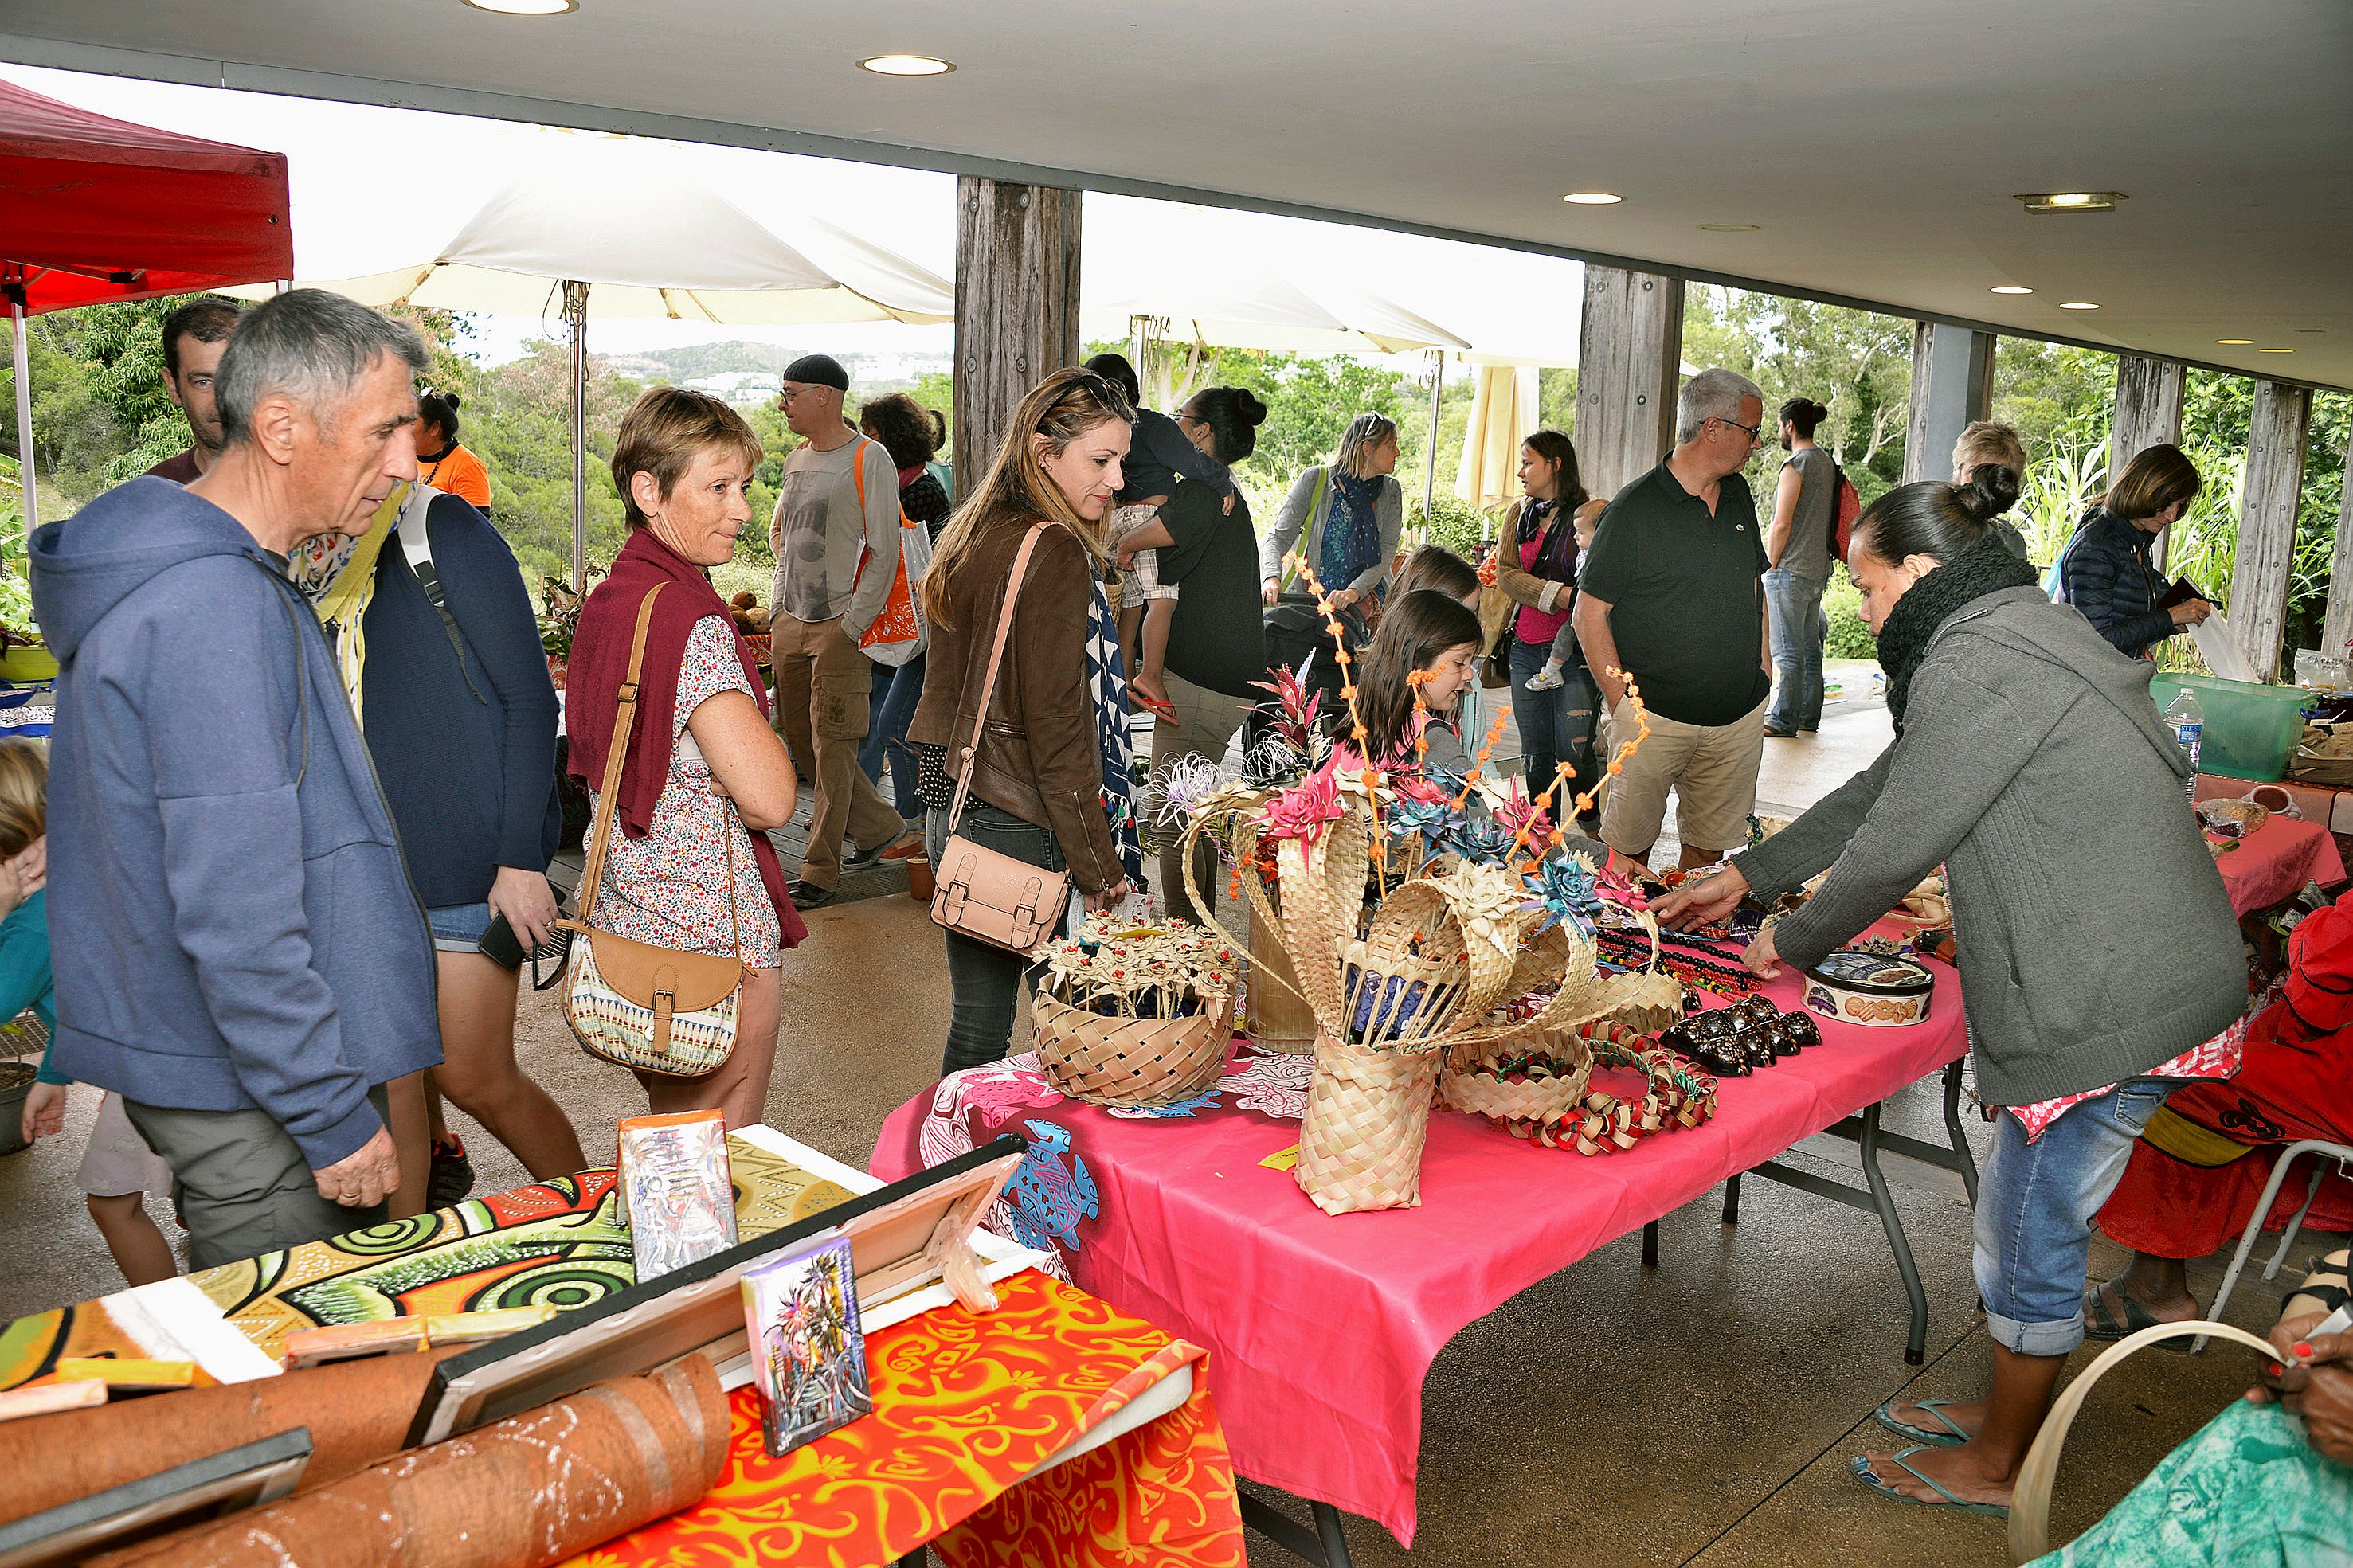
681,1201
808,1353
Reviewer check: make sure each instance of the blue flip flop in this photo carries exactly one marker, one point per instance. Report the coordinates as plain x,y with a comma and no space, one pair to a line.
1951,1436
1860,1465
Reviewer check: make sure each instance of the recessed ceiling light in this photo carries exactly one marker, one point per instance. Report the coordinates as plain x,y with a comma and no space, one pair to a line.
1729,227
2071,200
1592,198
2077,305
905,65
2012,289
526,8
2236,343
2275,351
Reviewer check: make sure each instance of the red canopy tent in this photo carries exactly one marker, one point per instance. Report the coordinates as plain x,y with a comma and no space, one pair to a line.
94,209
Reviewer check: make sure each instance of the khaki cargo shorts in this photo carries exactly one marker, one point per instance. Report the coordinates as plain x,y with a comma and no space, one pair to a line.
1711,768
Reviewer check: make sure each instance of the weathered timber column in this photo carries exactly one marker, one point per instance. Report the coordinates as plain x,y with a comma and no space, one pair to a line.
2338,627
1629,350
2148,413
1017,307
1952,383
2267,502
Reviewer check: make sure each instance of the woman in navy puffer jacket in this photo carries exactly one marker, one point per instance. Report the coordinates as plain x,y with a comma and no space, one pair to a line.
2106,571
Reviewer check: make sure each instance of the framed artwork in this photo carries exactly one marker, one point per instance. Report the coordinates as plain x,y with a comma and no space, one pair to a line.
901,1236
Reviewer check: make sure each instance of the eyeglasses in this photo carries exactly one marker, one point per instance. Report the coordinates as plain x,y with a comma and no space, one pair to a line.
1749,431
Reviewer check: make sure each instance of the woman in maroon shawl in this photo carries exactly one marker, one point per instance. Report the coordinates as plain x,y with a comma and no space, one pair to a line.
682,462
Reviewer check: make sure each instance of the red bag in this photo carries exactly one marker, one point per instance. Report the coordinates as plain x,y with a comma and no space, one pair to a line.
1846,506
897,634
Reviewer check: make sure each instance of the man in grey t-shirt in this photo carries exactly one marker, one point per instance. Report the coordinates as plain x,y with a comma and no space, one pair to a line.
1798,544
835,557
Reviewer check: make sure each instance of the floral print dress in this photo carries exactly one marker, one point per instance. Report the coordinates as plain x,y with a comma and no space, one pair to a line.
669,887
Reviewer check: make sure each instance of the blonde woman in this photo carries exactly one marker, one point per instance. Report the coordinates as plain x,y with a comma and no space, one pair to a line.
1350,534
118,1170
1990,443
1050,781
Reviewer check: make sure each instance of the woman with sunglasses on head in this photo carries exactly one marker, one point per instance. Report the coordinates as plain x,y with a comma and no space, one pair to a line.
1049,777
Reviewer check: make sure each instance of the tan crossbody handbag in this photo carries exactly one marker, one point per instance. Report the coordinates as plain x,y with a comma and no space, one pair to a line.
652,1008
984,893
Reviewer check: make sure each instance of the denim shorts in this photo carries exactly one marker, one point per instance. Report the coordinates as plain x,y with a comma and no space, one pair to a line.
2035,1205
459,928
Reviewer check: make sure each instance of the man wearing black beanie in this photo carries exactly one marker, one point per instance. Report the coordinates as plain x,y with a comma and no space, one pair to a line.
835,537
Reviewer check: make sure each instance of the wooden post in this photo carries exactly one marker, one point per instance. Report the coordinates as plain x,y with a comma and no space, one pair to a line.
1017,307
1629,353
2267,503
1952,383
2148,413
2337,629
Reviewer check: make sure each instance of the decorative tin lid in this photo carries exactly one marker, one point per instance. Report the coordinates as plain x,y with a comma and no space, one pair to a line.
1868,973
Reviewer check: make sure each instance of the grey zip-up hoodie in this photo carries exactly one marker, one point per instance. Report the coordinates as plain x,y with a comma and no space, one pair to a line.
230,920
2095,940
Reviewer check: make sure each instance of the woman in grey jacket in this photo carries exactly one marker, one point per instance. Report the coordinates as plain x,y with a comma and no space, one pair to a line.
1359,493
2096,940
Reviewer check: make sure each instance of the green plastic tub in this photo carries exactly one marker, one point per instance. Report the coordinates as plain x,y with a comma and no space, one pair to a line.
2251,731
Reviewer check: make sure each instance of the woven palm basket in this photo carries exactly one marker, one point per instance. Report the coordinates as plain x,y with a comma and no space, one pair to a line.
1131,1061
1535,1087
1368,1118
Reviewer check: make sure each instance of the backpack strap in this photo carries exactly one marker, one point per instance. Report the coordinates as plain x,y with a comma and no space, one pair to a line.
416,549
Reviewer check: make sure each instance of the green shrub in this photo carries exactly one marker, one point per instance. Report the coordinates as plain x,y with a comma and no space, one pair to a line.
1849,638
1452,522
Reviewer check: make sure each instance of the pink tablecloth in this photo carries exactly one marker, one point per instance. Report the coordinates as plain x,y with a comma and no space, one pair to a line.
2276,860
1322,1330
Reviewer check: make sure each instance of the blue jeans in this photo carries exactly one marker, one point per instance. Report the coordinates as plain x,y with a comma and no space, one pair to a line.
1794,605
1555,726
2035,1204
893,705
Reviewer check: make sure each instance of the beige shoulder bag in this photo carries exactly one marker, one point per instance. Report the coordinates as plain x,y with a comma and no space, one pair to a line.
652,1008
984,893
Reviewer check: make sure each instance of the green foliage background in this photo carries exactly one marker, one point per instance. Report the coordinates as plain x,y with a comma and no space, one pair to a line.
101,415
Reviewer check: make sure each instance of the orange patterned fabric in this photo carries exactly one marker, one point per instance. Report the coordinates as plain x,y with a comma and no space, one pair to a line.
965,1405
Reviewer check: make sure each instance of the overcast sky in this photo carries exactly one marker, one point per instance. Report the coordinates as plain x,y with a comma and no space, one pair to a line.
379,188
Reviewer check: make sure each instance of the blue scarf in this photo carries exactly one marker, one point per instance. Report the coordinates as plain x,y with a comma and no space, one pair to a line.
1352,532
1107,681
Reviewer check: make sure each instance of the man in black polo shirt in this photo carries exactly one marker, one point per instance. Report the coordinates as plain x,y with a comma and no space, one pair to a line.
1672,595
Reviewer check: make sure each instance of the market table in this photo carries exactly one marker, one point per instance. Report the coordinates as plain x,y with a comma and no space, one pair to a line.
2274,862
1054,1429
1321,1331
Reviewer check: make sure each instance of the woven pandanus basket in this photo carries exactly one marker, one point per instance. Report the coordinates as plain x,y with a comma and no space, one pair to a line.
1642,1001
1131,1061
1534,1085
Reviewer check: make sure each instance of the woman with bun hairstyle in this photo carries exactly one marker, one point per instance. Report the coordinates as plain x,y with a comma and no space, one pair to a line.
2097,947
2106,571
1217,643
1799,544
441,462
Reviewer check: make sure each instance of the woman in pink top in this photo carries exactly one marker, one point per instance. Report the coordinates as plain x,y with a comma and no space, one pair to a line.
1536,565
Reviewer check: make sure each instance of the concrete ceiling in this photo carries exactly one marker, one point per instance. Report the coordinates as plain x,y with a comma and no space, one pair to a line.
1877,144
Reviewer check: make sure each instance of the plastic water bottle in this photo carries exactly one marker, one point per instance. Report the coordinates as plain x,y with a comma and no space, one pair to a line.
2188,721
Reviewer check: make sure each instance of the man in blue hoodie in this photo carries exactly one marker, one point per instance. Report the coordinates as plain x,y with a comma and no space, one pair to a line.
236,947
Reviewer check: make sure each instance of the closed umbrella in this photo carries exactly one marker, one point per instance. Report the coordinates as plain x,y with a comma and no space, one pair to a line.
1503,415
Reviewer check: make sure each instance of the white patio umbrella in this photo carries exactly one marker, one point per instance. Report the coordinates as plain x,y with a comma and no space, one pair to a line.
1503,415
1246,309
627,241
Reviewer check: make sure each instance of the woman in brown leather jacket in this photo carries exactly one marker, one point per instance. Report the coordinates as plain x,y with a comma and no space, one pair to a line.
1038,790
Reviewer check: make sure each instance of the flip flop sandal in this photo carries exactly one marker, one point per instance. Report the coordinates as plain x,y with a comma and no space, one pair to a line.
1870,1477
2099,1323
1164,712
1951,1436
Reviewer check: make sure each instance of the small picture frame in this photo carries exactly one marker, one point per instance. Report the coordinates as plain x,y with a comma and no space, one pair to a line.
807,1351
901,1237
219,1484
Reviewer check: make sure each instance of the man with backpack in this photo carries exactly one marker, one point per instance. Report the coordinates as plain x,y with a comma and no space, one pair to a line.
836,537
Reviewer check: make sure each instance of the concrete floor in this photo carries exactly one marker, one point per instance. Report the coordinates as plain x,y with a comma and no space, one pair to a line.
1701,1413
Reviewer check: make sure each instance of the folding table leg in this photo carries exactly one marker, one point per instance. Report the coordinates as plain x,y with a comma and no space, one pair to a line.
1915,1345
1326,1547
1732,1199
1650,1245
1968,1157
